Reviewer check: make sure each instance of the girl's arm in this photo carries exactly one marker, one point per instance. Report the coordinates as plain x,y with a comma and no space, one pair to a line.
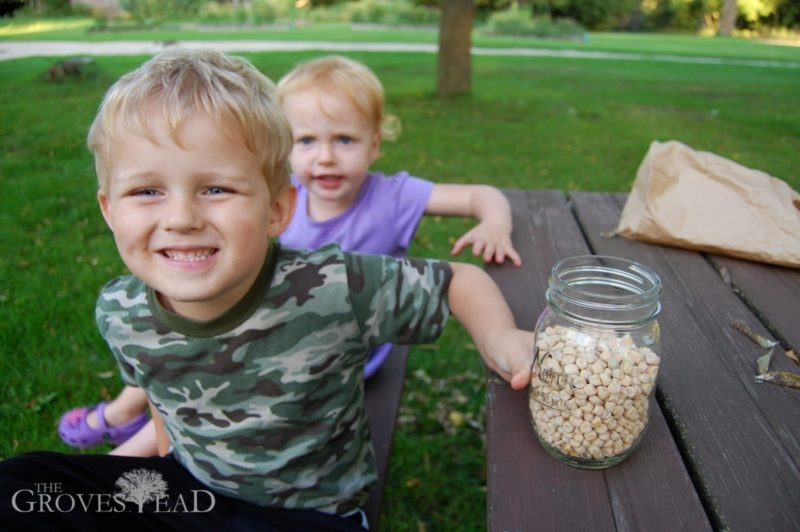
478,305
144,443
492,236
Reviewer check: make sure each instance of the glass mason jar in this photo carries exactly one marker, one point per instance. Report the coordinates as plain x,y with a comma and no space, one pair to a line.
597,357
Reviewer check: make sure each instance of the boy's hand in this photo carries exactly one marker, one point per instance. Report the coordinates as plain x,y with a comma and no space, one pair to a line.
491,241
477,303
509,353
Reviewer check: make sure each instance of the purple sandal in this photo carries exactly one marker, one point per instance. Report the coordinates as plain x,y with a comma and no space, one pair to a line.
76,432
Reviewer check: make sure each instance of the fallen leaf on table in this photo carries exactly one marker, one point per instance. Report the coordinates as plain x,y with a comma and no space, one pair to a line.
762,362
726,276
781,378
743,328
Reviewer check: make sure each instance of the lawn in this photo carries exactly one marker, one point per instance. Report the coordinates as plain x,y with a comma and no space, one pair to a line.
529,122
78,29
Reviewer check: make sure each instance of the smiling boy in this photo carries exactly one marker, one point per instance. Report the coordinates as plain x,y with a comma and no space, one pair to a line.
251,354
198,233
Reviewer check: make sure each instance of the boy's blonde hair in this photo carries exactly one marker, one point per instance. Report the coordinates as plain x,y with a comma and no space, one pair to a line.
179,83
354,79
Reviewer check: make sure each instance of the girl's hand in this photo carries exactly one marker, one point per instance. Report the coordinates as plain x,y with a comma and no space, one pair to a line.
493,242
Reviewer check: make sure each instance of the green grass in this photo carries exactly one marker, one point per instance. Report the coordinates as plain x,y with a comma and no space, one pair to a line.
539,123
652,44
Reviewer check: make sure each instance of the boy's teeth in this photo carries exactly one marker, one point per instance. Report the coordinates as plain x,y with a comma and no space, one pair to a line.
189,256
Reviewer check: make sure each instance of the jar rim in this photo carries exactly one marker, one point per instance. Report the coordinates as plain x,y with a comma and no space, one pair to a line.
604,289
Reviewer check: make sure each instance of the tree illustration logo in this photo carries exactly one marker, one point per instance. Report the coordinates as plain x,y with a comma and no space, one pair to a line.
141,485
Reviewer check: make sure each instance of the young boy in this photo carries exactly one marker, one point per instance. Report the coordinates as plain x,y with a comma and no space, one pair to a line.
335,107
251,354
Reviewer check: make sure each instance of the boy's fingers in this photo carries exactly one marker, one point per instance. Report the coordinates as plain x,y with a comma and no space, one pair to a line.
520,380
518,377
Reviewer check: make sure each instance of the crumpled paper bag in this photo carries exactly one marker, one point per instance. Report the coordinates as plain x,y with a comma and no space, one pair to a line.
699,200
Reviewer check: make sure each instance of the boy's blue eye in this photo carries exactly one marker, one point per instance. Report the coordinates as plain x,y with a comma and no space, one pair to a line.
344,139
145,192
305,140
216,190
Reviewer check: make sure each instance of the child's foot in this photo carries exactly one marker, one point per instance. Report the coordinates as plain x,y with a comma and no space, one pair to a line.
375,359
78,430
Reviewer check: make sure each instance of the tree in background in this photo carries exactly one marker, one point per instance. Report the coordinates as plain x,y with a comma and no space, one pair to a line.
728,19
455,39
717,16
785,15
757,14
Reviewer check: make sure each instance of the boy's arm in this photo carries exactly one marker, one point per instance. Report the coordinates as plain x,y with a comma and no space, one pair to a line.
492,236
478,305
162,440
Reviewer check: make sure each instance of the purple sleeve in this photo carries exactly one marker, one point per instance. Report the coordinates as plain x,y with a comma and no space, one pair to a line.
412,195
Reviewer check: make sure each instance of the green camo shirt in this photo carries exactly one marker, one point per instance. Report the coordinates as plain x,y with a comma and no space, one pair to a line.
265,403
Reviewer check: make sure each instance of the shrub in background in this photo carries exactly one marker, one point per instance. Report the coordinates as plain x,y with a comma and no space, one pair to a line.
390,12
154,12
375,12
519,22
252,12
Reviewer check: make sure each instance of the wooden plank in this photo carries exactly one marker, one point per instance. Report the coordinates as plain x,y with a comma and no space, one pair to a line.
526,487
652,490
773,292
742,439
382,400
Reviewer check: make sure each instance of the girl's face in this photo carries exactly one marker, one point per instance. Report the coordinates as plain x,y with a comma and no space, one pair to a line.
334,146
193,221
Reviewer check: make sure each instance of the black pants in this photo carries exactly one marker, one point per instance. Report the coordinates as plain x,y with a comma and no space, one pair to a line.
52,491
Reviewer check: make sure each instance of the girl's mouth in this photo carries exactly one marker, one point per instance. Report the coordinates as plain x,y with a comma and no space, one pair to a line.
329,181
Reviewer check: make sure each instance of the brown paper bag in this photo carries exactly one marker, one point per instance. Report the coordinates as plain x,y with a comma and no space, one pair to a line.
699,200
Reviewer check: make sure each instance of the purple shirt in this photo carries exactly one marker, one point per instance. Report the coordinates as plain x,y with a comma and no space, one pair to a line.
381,221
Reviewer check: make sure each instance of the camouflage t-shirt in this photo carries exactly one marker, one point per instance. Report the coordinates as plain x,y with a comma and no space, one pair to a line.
265,403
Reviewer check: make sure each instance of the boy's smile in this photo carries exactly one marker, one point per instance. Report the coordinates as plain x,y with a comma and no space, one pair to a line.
194,220
334,145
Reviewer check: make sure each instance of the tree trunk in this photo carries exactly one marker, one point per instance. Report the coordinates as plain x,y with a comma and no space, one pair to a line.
728,19
455,39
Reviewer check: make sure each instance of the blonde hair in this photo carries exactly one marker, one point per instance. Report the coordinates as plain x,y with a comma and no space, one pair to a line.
354,79
178,83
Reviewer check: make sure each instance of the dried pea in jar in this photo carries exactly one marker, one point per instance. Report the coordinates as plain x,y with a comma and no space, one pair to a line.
598,353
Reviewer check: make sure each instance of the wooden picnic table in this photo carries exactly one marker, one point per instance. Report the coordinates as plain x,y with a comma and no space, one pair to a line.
721,452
